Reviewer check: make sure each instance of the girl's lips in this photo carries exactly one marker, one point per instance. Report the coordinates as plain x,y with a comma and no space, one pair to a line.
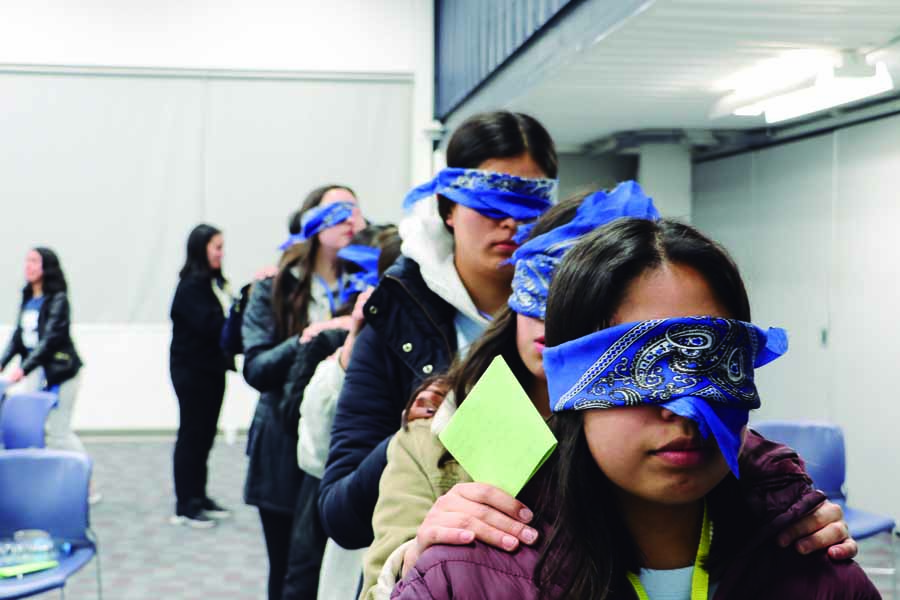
507,246
684,452
683,458
539,344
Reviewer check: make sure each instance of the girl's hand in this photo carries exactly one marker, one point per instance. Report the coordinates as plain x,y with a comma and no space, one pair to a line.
471,511
357,314
16,375
823,528
265,273
316,328
426,403
357,321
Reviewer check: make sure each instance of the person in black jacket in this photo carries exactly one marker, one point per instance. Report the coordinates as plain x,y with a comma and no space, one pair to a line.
43,342
198,365
324,342
434,301
279,309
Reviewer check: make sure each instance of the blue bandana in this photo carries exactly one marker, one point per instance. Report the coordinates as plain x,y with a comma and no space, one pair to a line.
493,195
537,259
318,219
698,367
367,258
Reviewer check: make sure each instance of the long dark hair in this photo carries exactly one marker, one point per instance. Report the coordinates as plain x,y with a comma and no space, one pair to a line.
291,308
499,339
53,279
499,134
197,262
586,291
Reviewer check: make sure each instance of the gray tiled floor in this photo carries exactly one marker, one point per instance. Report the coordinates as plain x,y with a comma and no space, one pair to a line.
143,556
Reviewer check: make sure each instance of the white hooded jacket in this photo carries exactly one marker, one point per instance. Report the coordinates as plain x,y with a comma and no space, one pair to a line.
427,241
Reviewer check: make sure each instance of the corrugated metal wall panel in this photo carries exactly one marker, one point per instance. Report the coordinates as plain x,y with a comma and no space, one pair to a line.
474,38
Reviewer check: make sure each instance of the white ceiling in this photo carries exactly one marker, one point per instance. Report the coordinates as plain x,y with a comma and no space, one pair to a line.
664,68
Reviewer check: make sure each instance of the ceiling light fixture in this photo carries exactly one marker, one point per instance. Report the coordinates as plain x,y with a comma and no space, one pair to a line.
853,80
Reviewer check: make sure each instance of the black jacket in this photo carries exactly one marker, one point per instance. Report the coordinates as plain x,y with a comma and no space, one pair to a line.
55,351
273,477
409,336
197,319
306,360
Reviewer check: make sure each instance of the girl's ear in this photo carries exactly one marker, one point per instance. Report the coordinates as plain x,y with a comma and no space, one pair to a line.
451,215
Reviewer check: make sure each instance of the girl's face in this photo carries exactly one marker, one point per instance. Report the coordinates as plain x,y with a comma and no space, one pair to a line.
530,343
481,244
335,238
215,251
34,267
649,452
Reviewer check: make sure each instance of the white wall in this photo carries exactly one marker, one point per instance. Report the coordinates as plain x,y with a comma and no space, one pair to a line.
257,60
579,173
336,37
664,172
813,224
290,35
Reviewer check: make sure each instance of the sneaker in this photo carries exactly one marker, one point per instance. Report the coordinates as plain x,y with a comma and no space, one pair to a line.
198,520
213,510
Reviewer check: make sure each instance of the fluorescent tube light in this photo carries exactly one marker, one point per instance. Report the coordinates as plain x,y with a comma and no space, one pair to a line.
829,90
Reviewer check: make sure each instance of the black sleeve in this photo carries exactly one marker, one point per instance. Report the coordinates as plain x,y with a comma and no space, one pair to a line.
54,335
366,417
304,367
266,361
196,307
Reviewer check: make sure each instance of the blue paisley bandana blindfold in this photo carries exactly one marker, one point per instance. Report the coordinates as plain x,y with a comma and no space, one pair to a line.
318,219
537,259
365,257
700,368
493,195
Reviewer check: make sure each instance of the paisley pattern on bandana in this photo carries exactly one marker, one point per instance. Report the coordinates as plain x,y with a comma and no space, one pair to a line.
531,280
318,219
655,361
493,195
536,260
473,179
701,368
365,257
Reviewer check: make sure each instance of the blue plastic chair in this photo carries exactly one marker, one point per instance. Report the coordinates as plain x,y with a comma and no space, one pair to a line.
47,490
821,446
22,419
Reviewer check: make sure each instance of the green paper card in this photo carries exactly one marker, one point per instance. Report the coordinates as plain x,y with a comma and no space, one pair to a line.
25,569
497,435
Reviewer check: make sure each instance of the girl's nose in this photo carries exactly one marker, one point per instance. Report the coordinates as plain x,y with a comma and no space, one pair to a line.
668,415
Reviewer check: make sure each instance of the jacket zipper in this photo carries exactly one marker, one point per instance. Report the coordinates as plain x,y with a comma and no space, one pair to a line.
427,314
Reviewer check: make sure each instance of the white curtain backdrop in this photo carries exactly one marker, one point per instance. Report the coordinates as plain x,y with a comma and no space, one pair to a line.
112,170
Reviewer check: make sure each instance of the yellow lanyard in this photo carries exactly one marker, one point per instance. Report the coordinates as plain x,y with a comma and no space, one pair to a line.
700,578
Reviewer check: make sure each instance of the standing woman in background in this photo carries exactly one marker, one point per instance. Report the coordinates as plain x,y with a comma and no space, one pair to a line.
304,292
42,340
197,365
